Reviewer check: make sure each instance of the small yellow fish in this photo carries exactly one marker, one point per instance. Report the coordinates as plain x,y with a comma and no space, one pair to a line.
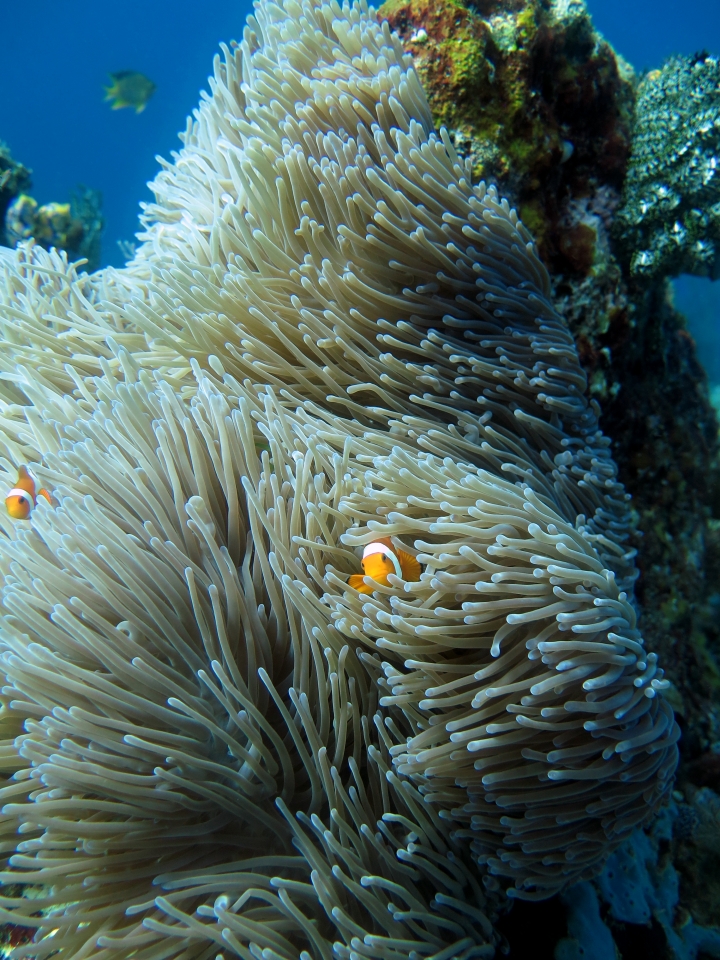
381,558
129,89
23,496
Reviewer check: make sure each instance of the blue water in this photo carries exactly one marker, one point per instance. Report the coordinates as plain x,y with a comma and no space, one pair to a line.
645,32
56,55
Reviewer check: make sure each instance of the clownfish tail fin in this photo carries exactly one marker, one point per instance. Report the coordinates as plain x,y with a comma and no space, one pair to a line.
47,496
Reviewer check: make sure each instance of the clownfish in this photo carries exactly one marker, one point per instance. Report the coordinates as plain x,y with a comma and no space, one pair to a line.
380,558
23,496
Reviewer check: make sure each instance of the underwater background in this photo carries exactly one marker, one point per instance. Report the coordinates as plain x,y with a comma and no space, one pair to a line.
55,119
56,63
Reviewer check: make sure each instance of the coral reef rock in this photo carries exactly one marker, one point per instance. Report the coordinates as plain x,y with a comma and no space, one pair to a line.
537,100
669,222
14,179
665,439
75,227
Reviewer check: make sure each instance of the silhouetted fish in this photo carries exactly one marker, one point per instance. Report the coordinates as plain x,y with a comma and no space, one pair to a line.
129,89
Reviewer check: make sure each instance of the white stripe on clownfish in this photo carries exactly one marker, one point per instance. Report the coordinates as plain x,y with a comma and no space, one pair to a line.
23,497
381,559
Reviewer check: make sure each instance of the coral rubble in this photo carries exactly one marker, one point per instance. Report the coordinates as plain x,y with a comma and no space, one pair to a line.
669,221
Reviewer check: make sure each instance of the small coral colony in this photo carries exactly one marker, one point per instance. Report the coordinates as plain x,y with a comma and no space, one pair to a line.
318,627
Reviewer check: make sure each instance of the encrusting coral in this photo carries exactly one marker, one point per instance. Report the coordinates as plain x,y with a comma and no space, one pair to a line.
75,227
669,222
217,747
537,100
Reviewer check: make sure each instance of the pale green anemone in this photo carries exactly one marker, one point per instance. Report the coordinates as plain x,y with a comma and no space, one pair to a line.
329,335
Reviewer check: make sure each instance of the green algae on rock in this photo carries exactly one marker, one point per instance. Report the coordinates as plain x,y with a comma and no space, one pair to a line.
525,77
535,97
669,222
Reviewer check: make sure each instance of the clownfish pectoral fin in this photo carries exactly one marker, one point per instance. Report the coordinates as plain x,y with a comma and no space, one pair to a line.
410,567
357,582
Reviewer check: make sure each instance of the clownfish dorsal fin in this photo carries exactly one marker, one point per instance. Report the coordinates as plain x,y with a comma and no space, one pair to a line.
26,481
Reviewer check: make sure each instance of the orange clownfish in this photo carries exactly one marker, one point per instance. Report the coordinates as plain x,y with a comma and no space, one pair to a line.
381,558
23,496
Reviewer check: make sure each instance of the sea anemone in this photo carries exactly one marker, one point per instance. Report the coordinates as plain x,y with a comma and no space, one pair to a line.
328,335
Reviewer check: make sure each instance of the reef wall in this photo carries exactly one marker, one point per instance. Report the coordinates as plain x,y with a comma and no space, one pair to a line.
615,175
543,106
